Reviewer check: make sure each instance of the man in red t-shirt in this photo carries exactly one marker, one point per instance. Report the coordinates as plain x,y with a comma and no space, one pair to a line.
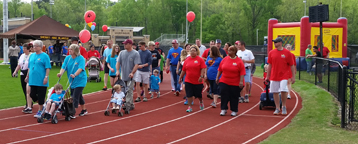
280,61
206,52
289,83
325,52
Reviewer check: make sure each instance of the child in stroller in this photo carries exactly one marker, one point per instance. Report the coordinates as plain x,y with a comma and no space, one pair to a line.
54,101
118,97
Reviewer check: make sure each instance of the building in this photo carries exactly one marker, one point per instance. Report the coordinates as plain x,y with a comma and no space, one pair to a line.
120,34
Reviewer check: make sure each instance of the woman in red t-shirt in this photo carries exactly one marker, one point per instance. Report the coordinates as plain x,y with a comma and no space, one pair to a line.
232,71
194,69
92,52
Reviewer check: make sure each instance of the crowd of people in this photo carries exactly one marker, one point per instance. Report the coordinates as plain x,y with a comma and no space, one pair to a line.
225,73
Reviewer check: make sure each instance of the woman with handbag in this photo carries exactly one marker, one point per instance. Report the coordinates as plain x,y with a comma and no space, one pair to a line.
23,66
74,64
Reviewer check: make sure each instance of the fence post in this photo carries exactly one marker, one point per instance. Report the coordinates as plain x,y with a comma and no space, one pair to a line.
342,95
329,64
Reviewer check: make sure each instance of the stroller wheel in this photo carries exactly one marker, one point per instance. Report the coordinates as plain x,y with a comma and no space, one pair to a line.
100,79
126,111
261,106
67,118
114,111
106,113
54,120
120,114
40,120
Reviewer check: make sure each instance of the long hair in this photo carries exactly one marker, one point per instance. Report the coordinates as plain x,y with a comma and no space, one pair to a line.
114,51
215,53
183,55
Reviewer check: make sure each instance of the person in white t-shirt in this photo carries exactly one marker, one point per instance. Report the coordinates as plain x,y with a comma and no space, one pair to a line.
248,58
202,48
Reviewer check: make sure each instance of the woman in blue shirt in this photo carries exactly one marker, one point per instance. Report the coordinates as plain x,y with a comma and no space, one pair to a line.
212,64
74,64
111,64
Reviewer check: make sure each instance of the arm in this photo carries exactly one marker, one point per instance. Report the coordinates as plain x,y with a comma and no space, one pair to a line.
268,72
293,70
16,70
217,76
181,76
117,68
249,61
46,76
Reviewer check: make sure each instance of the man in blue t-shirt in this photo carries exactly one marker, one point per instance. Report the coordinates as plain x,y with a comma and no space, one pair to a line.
64,48
106,53
171,63
50,51
143,72
37,76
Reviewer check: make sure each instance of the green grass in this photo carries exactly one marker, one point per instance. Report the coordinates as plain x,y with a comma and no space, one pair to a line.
11,91
317,121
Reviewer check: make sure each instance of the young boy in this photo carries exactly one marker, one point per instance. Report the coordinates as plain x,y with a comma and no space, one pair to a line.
118,96
154,83
54,101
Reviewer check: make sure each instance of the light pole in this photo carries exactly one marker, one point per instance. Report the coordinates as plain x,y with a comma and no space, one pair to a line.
32,11
257,36
5,29
186,24
305,6
51,3
341,8
201,21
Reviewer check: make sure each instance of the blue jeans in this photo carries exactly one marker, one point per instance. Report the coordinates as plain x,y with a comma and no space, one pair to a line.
173,70
309,66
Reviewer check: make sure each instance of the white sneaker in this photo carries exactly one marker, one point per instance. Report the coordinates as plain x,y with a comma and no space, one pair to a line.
223,112
288,96
233,113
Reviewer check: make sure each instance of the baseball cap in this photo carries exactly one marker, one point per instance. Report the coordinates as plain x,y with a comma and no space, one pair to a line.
74,39
174,41
127,41
237,42
218,41
156,43
278,39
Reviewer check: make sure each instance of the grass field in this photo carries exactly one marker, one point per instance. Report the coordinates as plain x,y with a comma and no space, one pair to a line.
11,91
313,124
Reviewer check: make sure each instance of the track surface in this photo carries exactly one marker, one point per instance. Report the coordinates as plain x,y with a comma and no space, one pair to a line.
160,120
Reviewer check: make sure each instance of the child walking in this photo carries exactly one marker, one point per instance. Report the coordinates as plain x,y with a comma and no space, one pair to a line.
154,83
54,101
118,97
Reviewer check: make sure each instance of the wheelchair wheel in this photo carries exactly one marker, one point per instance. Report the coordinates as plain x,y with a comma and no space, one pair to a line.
261,106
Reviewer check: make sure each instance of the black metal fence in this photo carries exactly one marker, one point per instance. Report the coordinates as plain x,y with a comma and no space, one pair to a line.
336,79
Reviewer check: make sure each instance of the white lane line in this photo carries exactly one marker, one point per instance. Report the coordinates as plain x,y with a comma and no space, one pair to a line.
93,125
263,116
277,123
217,124
8,129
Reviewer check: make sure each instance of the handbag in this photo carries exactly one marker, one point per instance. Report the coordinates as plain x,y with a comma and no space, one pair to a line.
68,105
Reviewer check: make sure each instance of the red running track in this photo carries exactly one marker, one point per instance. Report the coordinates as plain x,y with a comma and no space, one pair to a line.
160,120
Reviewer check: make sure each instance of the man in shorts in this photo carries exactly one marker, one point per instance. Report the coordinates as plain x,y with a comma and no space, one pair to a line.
143,72
280,62
106,53
247,58
128,60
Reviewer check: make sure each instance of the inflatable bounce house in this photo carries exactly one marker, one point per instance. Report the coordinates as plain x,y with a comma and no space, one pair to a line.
300,34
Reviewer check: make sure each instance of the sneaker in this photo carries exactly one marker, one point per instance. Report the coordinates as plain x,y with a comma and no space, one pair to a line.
241,100
233,114
277,111
104,88
152,95
48,116
213,105
158,94
137,100
284,111
189,109
27,111
72,117
150,92
186,102
223,112
145,99
201,106
246,100
288,96
141,94
173,90
83,112
38,114
177,93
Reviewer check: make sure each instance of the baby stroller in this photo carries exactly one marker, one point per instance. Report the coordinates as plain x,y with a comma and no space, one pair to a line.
66,110
125,90
94,66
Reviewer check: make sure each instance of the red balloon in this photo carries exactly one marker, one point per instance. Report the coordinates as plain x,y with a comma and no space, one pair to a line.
85,36
94,23
104,28
89,16
190,16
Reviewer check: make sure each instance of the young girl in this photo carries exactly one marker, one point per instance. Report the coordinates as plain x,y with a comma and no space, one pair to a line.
111,63
54,101
154,83
118,97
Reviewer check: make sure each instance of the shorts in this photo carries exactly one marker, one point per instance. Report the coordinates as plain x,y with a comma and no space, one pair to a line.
106,69
278,86
113,76
193,90
38,93
143,77
247,77
57,103
319,67
116,101
154,90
